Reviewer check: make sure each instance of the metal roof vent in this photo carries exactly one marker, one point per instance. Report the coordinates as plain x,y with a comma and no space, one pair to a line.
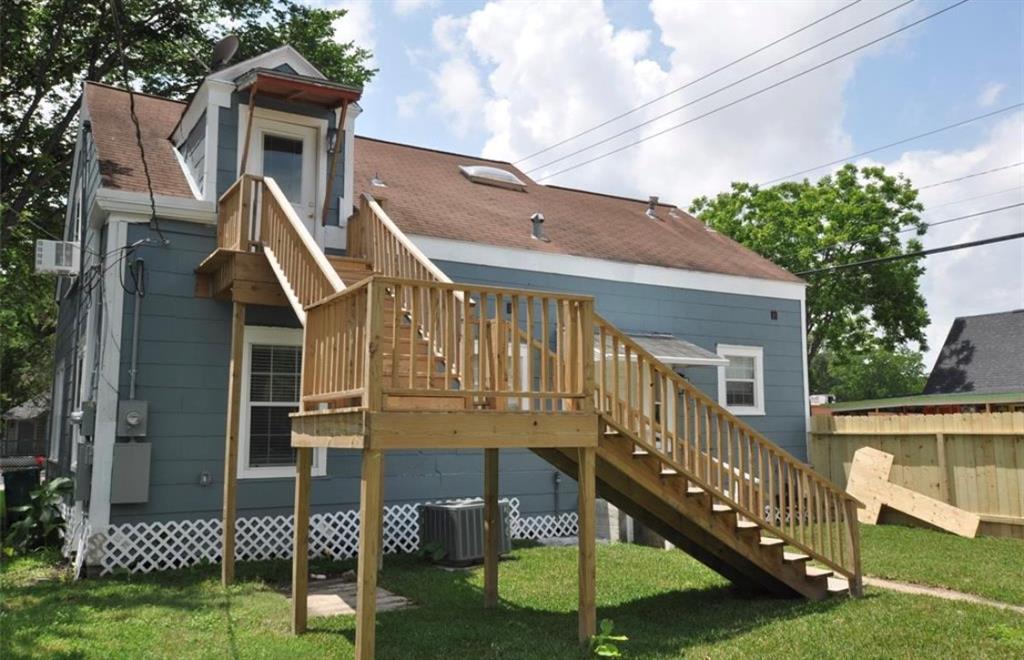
538,227
492,176
652,207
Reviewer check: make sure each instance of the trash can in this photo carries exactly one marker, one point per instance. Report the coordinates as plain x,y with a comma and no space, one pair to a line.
18,486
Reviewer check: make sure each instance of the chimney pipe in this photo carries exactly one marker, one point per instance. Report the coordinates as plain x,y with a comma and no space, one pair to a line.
652,206
538,227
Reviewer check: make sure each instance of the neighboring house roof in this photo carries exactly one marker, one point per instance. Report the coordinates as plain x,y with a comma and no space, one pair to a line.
928,400
117,150
34,407
982,354
428,195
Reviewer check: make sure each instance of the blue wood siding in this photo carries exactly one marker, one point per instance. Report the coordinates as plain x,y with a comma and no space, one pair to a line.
193,150
702,317
184,346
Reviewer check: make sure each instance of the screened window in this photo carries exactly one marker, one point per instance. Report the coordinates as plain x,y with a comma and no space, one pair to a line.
273,394
272,364
741,382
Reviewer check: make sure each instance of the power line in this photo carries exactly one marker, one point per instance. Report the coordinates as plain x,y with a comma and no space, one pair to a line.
971,176
720,89
896,143
964,217
970,199
912,255
688,84
753,94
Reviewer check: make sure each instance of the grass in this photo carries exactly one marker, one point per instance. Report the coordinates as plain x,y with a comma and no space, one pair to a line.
985,566
667,604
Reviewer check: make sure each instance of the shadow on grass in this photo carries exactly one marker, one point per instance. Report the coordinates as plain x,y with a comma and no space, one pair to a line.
448,619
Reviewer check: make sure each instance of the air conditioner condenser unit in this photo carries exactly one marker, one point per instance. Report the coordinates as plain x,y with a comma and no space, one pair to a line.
459,529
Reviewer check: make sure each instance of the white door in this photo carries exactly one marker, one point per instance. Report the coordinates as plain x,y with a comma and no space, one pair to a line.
287,153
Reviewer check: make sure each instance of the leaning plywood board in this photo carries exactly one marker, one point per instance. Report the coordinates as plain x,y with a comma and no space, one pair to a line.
869,483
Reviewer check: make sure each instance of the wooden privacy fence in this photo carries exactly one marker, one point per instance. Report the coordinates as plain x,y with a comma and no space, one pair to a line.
974,461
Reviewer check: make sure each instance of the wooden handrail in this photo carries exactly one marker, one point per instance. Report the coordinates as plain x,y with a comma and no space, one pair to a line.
713,449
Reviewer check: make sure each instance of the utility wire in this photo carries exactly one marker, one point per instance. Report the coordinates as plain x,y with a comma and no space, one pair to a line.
720,89
970,199
964,217
753,94
971,176
912,255
688,84
940,129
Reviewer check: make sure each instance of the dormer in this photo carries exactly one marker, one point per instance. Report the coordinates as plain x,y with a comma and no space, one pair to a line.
291,135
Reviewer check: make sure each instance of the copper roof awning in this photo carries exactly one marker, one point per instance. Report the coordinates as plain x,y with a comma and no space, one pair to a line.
295,88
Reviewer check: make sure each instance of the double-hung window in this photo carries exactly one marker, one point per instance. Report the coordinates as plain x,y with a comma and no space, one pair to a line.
741,382
272,364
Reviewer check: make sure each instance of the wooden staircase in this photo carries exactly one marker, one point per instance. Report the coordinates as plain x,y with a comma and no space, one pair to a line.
392,344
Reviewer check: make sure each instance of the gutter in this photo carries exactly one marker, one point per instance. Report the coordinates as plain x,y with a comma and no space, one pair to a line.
122,202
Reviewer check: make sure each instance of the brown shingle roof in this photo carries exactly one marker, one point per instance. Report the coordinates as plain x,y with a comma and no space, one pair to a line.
427,195
119,158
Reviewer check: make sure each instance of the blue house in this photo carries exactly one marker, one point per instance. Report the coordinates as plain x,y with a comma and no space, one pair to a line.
210,333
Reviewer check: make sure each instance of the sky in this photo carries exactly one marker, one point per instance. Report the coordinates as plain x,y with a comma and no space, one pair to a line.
505,79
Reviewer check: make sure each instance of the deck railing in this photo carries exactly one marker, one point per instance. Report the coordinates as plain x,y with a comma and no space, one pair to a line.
718,452
336,350
235,214
397,338
373,236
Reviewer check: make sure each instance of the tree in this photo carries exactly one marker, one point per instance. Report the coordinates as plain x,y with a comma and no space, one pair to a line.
877,374
50,48
853,215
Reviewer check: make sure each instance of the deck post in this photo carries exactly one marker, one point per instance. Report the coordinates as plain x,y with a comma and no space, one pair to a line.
370,520
492,528
227,567
300,546
587,543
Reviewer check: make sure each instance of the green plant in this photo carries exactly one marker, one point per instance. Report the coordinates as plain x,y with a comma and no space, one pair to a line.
433,551
42,522
603,644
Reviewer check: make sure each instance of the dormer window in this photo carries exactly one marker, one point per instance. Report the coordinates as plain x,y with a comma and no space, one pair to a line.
492,176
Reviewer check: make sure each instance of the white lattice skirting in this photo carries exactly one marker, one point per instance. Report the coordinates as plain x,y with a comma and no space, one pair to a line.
156,546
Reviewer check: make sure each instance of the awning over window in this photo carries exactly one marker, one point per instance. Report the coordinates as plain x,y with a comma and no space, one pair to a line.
673,350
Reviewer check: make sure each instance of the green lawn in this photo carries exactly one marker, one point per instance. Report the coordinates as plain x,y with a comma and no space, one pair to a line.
986,566
669,605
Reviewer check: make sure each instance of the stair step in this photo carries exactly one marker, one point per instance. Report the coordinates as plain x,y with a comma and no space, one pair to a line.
694,491
838,585
771,542
721,508
670,472
638,452
817,573
747,526
794,557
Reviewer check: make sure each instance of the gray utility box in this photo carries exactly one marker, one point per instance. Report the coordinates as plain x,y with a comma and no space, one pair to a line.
459,529
129,483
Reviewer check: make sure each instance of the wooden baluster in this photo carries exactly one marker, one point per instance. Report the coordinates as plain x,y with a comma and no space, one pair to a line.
467,382
484,344
616,382
530,402
517,376
546,346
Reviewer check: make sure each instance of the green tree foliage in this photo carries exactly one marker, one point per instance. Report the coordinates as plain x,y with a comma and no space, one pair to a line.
853,215
50,47
877,374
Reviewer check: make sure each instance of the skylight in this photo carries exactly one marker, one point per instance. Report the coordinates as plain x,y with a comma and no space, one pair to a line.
492,176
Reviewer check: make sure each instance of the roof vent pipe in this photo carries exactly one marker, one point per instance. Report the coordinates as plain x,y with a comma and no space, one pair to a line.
538,227
652,206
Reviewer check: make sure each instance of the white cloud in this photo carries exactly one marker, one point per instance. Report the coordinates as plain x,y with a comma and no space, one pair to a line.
528,76
410,105
406,7
990,94
978,280
357,25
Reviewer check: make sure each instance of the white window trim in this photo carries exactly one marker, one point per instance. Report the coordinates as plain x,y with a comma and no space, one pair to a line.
278,337
756,352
